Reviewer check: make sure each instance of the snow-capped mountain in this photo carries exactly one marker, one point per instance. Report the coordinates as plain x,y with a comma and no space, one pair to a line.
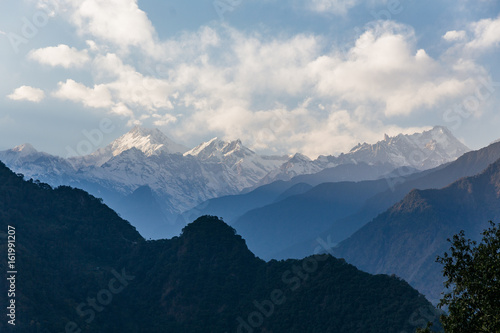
178,179
246,164
298,164
144,169
27,160
149,141
419,151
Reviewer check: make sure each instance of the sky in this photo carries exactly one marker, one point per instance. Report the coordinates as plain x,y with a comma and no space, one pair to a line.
310,76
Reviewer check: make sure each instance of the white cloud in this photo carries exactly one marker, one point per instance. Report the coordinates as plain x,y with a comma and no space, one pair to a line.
2,33
342,7
287,92
61,55
27,93
292,93
339,7
119,22
455,35
132,87
486,34
162,120
125,88
96,97
92,45
122,110
385,68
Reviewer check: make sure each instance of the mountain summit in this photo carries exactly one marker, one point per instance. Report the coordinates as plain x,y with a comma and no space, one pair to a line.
150,141
219,149
241,160
25,149
420,150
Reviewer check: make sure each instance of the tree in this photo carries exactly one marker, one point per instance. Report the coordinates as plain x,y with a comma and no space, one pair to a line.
473,276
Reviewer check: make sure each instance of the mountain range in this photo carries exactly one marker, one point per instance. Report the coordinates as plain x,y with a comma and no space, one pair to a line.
378,215
146,173
286,219
406,239
469,164
86,269
421,151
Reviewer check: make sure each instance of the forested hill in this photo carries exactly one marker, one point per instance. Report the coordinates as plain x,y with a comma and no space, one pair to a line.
80,266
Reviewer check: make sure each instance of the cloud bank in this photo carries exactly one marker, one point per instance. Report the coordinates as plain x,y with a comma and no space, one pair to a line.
284,92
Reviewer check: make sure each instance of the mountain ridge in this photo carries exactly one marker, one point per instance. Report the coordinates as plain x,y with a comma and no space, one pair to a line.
179,181
419,150
406,238
205,279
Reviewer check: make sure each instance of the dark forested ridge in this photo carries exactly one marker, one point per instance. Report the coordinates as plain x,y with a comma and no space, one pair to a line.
81,267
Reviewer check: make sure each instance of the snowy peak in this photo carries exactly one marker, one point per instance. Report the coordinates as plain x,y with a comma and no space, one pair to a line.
149,141
25,149
441,139
420,150
205,149
244,166
298,158
297,164
217,149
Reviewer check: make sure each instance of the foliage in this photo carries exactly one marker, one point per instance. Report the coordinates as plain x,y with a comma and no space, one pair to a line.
473,274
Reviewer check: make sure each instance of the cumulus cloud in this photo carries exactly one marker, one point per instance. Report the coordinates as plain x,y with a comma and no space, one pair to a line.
162,120
61,55
486,34
27,93
96,97
122,110
385,67
119,22
131,87
455,35
289,93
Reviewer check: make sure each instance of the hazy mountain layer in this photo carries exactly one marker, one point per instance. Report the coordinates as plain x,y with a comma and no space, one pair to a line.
406,239
82,267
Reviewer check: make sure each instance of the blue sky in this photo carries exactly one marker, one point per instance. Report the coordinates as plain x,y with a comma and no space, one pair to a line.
314,76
